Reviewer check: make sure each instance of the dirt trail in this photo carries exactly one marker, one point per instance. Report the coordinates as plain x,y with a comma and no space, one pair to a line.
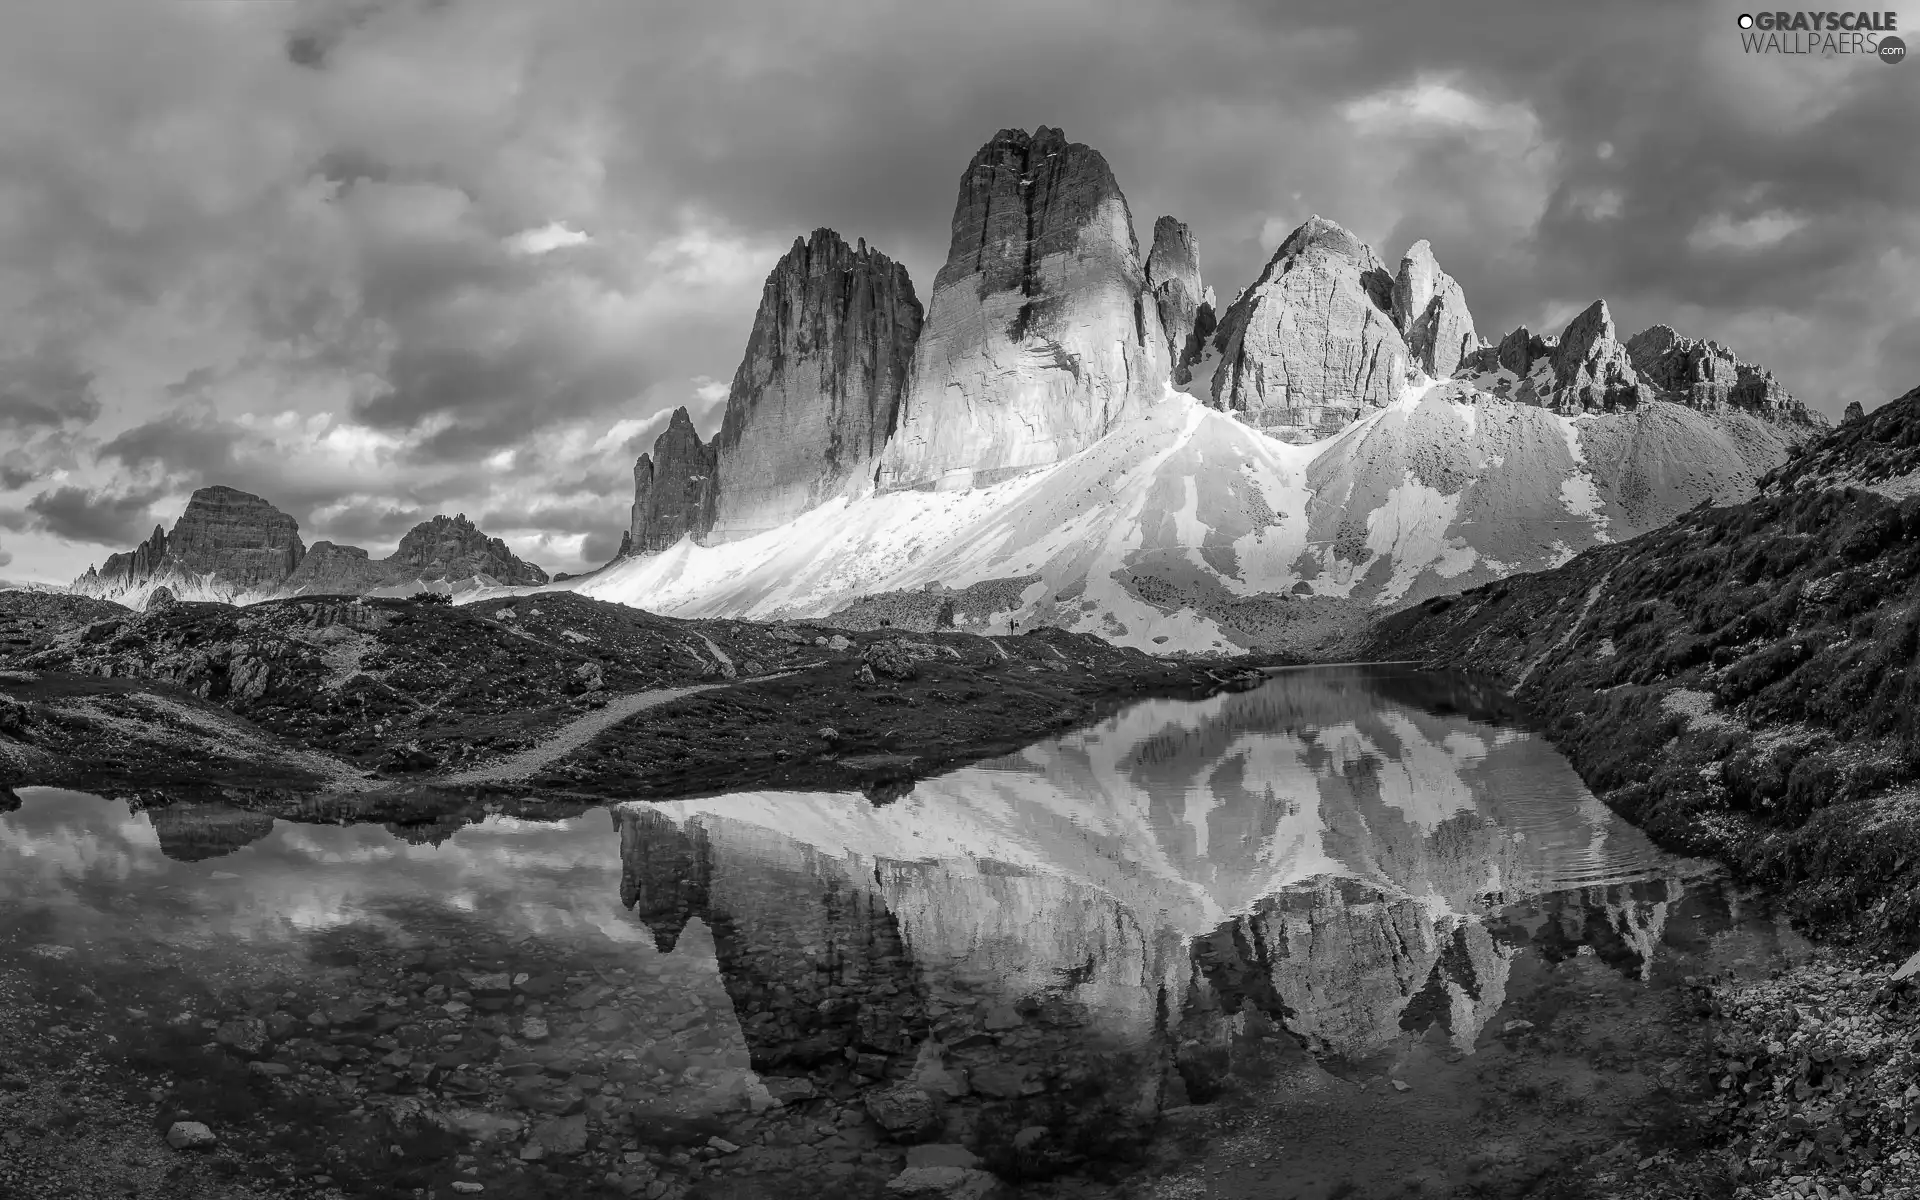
573,735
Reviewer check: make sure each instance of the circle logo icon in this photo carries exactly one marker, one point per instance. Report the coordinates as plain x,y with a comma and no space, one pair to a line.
1892,49
1746,21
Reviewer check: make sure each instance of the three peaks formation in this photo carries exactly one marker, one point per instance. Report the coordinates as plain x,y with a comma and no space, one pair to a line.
1078,436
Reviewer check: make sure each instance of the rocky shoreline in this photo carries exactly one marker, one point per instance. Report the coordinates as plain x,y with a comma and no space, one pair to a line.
376,704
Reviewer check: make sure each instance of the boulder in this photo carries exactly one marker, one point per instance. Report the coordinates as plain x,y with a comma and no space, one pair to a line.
161,597
941,1154
190,1135
1040,333
945,1183
891,660
819,387
1312,344
1854,412
562,1135
906,1112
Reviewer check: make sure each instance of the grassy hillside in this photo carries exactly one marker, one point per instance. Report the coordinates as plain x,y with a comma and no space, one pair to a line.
1744,682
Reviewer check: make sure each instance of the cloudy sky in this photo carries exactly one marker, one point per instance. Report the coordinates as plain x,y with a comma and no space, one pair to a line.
379,259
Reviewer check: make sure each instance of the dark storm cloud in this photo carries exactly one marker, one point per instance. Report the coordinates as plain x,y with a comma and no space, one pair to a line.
101,518
314,207
183,444
45,392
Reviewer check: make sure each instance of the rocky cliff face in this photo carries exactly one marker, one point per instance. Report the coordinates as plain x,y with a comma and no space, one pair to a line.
817,392
1312,343
1706,376
1431,313
128,569
1040,332
1184,303
235,536
673,488
329,568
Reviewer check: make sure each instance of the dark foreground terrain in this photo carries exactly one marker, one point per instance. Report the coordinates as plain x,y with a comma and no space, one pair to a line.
534,701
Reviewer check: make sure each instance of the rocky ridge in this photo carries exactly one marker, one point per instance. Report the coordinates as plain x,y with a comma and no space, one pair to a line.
817,392
235,547
1588,368
443,551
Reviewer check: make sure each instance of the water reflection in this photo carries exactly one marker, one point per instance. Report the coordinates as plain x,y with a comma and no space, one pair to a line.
1060,940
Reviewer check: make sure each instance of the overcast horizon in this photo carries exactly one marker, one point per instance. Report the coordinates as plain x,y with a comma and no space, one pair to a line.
378,261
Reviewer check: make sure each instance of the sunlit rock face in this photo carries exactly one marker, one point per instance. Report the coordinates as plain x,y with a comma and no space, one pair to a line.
819,388
1312,344
1431,312
1041,334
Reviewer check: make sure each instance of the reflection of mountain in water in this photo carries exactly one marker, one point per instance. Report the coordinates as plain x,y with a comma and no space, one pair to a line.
1319,848
192,832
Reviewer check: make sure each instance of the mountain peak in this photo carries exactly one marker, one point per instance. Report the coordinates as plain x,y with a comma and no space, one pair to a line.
1312,344
1039,333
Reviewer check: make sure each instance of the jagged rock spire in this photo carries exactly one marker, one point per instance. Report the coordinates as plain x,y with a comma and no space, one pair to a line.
819,387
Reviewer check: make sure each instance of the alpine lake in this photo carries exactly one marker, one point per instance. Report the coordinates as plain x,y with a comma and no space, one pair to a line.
1355,932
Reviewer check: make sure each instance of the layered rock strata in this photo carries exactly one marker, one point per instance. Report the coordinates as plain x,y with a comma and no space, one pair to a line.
1040,333
1312,344
226,541
818,389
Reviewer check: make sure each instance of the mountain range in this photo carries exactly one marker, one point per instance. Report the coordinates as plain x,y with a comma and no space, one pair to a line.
1070,433
234,547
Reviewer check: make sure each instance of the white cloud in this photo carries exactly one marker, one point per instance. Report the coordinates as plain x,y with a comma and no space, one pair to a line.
546,239
1722,232
1431,100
